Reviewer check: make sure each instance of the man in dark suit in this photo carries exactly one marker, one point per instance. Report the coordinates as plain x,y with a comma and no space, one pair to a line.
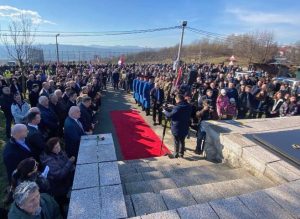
157,98
16,149
6,100
34,95
73,130
180,116
116,78
49,123
35,138
86,117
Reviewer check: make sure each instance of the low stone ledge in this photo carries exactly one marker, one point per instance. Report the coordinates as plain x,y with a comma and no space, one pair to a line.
86,176
281,171
85,204
109,174
112,202
256,159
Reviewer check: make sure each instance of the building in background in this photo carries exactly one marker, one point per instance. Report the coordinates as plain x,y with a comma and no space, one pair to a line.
35,55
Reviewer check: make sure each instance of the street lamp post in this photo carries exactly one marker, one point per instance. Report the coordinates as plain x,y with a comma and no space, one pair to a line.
57,55
184,24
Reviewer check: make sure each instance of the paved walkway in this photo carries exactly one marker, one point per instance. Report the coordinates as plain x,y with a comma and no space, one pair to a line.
120,100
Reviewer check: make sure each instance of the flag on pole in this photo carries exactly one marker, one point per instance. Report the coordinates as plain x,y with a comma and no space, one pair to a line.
179,75
121,60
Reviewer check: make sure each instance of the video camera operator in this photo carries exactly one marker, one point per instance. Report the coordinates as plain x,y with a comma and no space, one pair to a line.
180,120
203,114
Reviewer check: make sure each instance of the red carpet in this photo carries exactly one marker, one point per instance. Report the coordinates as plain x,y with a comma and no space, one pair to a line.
136,138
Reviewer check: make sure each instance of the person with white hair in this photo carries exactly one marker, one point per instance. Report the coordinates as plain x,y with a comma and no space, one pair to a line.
45,89
29,203
49,122
73,130
16,149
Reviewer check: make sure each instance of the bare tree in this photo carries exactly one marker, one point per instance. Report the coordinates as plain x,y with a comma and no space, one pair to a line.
19,39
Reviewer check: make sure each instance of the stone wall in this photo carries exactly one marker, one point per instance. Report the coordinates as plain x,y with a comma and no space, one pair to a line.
232,142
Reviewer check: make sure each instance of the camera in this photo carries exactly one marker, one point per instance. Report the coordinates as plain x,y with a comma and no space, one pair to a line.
167,107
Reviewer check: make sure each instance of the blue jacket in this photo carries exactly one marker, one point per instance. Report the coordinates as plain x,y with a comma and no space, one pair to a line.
133,86
141,88
146,94
136,89
180,116
72,135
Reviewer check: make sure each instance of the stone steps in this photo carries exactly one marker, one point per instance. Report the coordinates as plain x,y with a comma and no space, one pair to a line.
172,199
277,202
155,181
158,164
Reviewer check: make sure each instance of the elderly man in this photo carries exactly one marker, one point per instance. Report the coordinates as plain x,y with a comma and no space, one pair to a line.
73,130
86,117
29,203
45,89
16,149
49,123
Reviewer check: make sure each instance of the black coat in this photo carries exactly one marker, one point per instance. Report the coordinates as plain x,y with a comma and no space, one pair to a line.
49,122
5,102
86,117
180,116
13,154
35,140
72,135
33,98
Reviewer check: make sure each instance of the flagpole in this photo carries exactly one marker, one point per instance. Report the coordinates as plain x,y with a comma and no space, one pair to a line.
184,24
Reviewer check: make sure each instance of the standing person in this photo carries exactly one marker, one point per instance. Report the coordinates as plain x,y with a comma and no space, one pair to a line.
16,149
146,95
45,89
203,114
157,98
116,79
73,130
19,109
180,121
35,138
30,204
61,170
136,85
222,104
15,87
86,114
6,100
49,123
34,95
141,88
277,102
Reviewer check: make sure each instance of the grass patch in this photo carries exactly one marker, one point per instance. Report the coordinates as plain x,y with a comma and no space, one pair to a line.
3,176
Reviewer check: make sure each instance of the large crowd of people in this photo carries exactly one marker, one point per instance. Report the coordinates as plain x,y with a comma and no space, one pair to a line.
47,109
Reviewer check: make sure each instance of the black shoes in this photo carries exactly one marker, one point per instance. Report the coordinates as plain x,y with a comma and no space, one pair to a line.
198,152
172,156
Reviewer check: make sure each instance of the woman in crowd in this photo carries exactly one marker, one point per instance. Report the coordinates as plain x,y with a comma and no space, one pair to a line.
61,169
222,104
277,102
27,170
